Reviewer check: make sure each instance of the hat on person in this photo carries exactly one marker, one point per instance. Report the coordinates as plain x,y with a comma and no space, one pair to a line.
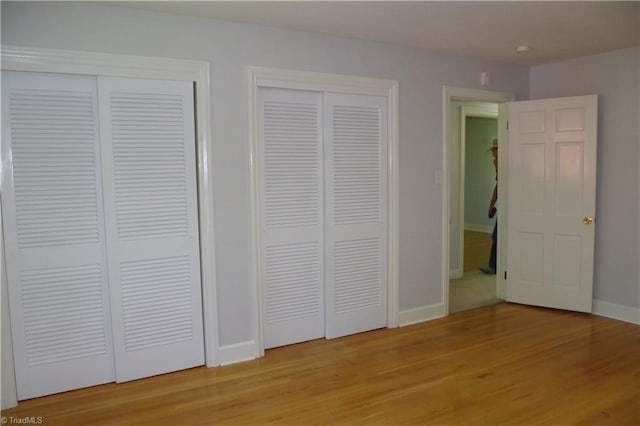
494,144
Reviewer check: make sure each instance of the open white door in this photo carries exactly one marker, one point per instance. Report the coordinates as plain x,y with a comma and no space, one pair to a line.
551,202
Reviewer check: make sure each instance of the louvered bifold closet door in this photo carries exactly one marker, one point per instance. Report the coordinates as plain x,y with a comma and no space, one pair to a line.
355,158
148,149
290,138
54,233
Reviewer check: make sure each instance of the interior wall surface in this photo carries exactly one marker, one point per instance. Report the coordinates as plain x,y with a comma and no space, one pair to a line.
614,77
230,48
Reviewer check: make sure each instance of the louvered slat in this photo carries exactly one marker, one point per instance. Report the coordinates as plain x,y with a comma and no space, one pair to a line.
63,313
292,281
356,161
150,185
291,155
53,152
156,296
358,275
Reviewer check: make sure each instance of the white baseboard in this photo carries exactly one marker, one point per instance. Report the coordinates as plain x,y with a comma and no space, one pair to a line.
421,314
454,274
238,352
488,229
615,311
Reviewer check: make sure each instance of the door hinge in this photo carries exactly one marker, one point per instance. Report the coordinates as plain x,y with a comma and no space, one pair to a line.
507,124
505,275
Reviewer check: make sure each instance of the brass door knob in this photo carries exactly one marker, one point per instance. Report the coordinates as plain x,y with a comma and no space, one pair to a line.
587,220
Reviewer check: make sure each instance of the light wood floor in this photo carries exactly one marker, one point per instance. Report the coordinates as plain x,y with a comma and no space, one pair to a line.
500,365
477,248
473,290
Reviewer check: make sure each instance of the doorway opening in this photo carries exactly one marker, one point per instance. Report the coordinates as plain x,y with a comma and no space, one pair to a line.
470,285
468,230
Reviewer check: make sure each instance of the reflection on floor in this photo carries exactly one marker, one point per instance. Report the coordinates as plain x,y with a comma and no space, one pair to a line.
473,290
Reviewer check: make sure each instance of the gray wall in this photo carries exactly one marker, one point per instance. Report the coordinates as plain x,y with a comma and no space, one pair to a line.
614,76
230,48
480,175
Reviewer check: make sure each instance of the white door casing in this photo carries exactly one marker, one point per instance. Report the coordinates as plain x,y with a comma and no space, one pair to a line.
148,152
260,78
450,94
54,233
551,193
355,176
30,59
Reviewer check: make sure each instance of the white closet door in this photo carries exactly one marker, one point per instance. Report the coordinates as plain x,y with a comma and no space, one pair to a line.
148,149
54,233
291,197
355,144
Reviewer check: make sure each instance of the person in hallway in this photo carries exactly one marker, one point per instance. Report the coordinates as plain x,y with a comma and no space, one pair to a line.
491,269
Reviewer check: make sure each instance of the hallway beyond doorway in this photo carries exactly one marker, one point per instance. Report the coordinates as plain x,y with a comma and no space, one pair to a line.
474,289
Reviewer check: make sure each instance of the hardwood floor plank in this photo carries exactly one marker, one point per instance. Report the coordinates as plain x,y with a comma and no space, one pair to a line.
501,365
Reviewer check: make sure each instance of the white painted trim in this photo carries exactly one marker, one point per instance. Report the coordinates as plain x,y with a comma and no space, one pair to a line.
503,156
321,82
462,172
422,314
615,311
17,58
477,95
256,209
455,274
8,393
487,229
482,110
393,207
238,352
450,93
302,80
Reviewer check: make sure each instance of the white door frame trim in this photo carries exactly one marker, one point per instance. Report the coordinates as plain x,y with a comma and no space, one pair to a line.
303,80
450,93
16,58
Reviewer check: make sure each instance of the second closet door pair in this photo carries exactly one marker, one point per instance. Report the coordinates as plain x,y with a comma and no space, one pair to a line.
100,226
323,195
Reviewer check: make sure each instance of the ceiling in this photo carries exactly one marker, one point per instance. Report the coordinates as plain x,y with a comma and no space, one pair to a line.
553,30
